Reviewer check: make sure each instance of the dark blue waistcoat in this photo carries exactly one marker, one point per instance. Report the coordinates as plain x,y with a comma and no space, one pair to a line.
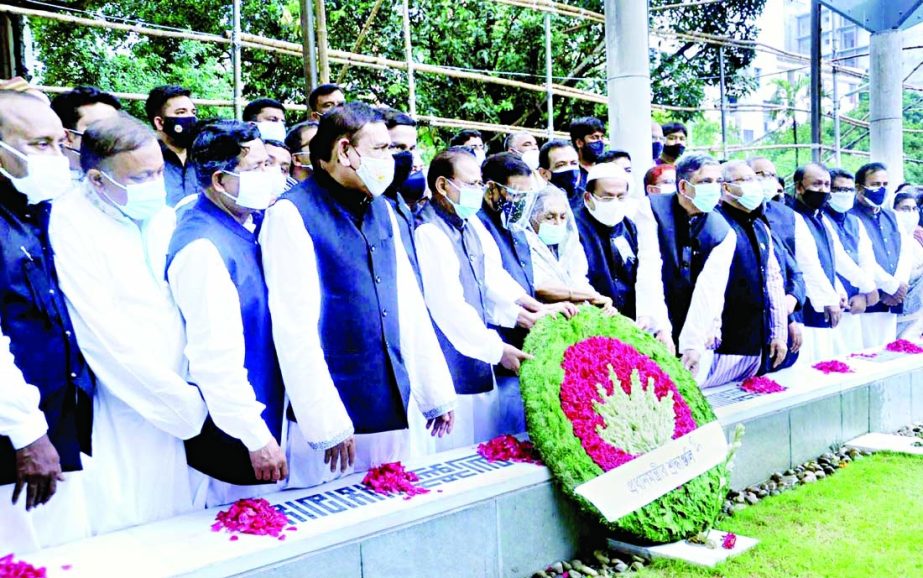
813,317
610,273
33,315
470,375
214,452
781,219
847,229
517,260
685,244
885,235
746,317
359,328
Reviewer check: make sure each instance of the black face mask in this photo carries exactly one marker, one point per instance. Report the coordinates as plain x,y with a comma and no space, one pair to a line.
815,199
180,129
674,151
566,181
403,164
414,187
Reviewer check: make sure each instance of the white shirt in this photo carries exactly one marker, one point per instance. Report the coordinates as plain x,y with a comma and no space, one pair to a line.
129,330
210,305
884,280
650,301
862,279
20,417
442,289
290,268
703,321
817,286
503,292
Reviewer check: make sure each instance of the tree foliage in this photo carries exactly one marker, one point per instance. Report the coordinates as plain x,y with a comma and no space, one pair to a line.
468,34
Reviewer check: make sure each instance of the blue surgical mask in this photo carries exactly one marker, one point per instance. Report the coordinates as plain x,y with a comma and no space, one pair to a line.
751,195
469,202
842,202
706,196
552,233
592,150
143,200
875,196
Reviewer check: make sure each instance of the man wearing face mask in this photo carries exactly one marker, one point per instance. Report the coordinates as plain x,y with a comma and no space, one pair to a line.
675,137
892,273
559,165
354,338
855,261
754,319
77,109
269,117
298,141
172,113
46,406
816,257
473,140
504,214
468,293
523,145
660,180
110,239
586,136
407,190
696,247
215,273
657,141
609,238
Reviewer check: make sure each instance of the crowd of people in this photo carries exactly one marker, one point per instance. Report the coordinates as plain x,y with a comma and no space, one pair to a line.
196,311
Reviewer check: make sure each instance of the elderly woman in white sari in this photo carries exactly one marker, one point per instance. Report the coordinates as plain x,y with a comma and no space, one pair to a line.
558,261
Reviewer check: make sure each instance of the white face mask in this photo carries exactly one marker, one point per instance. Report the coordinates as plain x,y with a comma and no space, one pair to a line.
47,176
376,174
609,213
255,190
530,157
907,221
770,188
480,156
271,130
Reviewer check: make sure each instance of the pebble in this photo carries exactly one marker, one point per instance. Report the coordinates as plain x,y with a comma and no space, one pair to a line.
558,567
820,474
601,557
574,574
637,566
809,478
752,499
621,567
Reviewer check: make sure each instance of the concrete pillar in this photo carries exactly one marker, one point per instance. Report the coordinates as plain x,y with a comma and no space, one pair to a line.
886,103
629,83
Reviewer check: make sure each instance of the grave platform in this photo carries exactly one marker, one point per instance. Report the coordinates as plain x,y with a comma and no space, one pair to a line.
485,519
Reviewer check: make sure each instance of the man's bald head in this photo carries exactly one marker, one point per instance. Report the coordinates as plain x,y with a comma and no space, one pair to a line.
13,104
28,125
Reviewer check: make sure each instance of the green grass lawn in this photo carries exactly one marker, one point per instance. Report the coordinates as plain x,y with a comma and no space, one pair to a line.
867,520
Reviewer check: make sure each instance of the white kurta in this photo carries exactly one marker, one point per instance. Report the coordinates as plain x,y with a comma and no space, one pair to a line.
131,334
703,321
650,302
477,417
64,517
881,328
568,269
290,267
210,306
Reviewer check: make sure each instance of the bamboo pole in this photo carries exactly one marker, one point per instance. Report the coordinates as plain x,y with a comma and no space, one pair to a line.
235,58
363,32
308,50
408,55
323,63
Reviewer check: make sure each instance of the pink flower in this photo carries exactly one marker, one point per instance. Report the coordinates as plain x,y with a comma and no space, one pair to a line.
761,385
828,367
251,516
904,346
9,568
730,540
393,478
585,365
508,448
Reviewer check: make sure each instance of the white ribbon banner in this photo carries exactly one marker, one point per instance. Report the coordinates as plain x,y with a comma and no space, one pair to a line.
639,482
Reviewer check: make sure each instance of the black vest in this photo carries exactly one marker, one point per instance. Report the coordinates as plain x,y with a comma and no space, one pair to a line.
685,244
847,229
406,224
746,319
885,235
469,375
813,317
610,273
34,316
359,327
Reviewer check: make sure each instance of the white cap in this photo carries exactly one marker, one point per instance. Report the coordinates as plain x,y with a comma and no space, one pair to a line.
608,171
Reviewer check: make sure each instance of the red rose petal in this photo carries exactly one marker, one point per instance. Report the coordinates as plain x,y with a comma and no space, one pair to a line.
761,385
730,540
904,346
9,568
507,448
393,479
834,366
251,516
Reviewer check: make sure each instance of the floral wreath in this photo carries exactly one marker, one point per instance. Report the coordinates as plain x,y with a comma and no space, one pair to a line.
583,426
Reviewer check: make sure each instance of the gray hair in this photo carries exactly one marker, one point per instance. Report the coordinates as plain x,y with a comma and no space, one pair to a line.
108,137
689,164
753,160
729,167
508,141
541,200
